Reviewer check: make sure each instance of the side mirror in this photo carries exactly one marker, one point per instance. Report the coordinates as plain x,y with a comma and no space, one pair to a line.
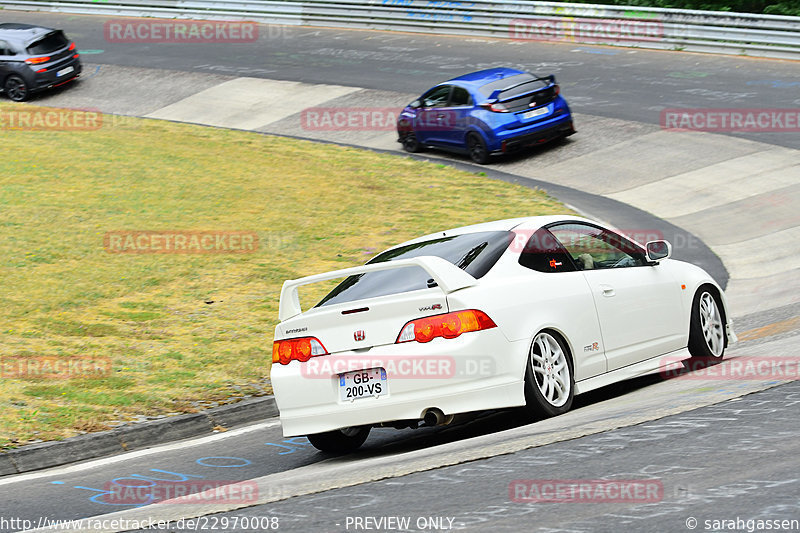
415,104
658,251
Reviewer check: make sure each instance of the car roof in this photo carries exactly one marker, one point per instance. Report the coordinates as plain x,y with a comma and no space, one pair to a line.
482,77
522,223
22,33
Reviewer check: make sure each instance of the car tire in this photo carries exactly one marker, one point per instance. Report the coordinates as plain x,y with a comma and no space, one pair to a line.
549,376
340,440
477,148
411,144
16,88
707,339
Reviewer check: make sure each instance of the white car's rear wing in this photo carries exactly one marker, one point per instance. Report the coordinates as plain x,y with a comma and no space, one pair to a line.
447,276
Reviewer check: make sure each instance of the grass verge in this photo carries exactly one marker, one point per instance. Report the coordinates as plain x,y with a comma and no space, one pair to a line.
180,332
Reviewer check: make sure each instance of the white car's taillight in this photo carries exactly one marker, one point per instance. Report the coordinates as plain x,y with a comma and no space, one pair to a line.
448,326
302,349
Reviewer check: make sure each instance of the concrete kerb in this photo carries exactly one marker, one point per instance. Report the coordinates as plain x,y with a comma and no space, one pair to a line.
135,436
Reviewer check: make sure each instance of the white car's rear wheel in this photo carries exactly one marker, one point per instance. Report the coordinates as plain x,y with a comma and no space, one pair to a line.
706,329
340,440
549,383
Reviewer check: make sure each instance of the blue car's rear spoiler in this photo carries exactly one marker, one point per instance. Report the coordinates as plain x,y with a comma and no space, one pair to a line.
495,94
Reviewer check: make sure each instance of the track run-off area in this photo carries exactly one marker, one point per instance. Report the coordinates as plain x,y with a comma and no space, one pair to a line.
721,448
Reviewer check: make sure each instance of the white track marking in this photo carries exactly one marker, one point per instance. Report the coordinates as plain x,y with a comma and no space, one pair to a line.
716,185
249,103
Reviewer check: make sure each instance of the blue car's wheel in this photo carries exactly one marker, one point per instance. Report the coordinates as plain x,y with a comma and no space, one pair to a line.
477,149
411,143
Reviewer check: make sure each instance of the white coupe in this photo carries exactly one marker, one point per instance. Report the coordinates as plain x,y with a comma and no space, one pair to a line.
522,312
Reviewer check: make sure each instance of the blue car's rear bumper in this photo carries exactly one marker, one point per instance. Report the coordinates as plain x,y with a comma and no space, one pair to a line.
517,140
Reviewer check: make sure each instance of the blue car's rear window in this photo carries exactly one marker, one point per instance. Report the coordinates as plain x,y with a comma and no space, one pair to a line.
510,81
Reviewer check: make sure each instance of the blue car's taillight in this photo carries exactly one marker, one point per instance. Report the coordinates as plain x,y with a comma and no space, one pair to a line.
496,107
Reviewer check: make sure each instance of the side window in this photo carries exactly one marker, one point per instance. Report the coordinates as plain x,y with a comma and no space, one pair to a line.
436,97
593,248
460,97
544,253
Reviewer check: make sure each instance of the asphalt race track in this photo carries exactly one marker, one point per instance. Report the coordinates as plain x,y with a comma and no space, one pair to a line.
721,449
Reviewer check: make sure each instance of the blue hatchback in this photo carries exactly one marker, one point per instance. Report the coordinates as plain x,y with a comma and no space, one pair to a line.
488,112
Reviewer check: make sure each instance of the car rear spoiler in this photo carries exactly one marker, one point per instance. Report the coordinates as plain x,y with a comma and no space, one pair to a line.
496,94
447,276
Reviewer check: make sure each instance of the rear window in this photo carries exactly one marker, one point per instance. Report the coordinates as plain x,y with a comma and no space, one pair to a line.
475,253
6,49
531,85
48,44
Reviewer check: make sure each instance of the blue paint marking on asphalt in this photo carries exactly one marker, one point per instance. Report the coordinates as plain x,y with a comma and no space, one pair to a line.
294,441
169,476
202,459
138,478
91,52
102,492
96,70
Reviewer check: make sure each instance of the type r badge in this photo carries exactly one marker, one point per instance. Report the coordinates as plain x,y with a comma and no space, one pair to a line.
359,335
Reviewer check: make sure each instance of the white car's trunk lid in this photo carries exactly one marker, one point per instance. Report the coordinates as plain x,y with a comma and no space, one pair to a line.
365,323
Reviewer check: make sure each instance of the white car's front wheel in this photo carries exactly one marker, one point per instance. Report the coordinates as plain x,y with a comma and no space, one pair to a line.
706,329
549,383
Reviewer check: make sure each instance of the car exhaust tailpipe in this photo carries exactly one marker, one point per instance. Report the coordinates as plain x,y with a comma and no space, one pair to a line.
435,417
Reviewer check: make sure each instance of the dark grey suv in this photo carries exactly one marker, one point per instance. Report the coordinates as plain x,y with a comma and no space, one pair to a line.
33,58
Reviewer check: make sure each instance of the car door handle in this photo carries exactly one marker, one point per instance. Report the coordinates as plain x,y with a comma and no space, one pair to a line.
608,291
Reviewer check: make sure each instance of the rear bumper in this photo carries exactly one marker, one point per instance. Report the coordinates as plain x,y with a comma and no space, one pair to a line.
49,79
564,128
474,380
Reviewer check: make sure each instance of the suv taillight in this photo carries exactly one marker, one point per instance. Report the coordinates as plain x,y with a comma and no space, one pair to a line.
448,326
37,60
302,349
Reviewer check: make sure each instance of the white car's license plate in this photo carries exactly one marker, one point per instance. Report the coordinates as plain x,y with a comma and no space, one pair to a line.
64,71
362,384
535,112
